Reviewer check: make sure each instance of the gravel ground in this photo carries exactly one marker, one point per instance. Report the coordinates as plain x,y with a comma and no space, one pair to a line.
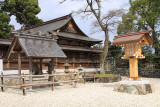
84,95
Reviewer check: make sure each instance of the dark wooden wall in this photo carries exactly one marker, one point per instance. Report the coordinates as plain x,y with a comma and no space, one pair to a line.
75,59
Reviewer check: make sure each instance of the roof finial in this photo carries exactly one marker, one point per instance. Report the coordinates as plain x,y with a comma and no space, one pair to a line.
55,36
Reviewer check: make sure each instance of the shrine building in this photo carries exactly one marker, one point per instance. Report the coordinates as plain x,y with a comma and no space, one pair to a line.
76,45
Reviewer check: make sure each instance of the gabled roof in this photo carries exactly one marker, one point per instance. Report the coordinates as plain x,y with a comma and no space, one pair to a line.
59,24
49,26
132,38
35,47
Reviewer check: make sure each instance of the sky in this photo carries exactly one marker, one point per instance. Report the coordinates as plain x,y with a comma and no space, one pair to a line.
51,9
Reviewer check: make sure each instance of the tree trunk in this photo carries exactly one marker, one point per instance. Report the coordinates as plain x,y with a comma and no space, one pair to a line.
155,43
105,52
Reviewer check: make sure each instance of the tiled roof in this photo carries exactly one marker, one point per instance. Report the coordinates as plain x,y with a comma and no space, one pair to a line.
80,49
53,25
50,27
41,48
75,36
35,46
48,22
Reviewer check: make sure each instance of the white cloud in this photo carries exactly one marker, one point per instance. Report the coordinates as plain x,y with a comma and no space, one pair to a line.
14,22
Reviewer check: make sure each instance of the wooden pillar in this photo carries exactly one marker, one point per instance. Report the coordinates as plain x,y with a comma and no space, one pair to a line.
7,65
2,81
30,70
87,59
23,82
52,65
56,62
52,69
133,67
74,60
41,65
19,67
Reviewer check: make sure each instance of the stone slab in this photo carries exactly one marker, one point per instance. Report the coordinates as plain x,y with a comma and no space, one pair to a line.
141,87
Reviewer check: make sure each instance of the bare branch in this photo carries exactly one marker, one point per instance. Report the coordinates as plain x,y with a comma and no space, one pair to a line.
113,14
61,2
99,8
95,14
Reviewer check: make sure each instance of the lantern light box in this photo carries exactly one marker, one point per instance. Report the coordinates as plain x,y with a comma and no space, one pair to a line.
133,43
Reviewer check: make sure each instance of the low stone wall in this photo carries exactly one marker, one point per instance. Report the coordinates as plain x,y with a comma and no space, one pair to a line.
109,79
149,73
105,79
152,73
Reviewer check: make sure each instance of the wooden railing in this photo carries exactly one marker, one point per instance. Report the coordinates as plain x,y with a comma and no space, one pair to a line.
23,85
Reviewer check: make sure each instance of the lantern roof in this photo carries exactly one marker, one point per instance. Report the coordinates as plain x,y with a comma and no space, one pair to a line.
133,38
66,64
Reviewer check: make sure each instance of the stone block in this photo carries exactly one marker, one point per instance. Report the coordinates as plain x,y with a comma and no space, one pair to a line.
141,87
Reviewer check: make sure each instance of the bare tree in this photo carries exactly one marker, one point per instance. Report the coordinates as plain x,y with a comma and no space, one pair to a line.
104,22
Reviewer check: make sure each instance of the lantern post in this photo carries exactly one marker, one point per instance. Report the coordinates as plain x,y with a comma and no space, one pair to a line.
133,49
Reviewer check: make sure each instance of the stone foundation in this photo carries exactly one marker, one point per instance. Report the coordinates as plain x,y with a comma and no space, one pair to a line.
141,87
105,79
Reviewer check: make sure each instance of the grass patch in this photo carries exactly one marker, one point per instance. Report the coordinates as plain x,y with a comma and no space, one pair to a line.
103,75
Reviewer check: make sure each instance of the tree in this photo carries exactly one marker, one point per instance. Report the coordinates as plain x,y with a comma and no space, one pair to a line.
114,53
127,25
4,24
148,13
24,10
103,21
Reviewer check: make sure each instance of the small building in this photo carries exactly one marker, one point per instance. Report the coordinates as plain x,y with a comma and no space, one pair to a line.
76,45
34,48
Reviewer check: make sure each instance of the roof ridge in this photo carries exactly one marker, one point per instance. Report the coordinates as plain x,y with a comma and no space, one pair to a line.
50,21
137,33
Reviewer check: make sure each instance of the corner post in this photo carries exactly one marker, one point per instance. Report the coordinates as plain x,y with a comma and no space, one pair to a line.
52,82
2,81
19,67
30,70
41,66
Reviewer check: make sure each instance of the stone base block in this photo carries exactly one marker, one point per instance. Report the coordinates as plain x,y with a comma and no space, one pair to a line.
141,87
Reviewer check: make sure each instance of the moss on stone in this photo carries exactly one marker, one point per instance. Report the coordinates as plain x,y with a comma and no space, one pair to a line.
103,75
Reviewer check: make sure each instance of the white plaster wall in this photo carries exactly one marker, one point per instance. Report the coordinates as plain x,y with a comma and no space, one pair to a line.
7,72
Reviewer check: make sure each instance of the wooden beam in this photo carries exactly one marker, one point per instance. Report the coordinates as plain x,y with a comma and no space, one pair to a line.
12,46
30,70
17,52
19,67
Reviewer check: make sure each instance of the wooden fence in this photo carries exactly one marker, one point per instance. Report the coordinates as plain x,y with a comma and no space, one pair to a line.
23,85
87,77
